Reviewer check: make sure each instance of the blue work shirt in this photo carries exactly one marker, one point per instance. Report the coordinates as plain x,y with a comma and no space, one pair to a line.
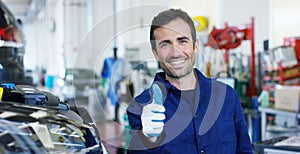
214,124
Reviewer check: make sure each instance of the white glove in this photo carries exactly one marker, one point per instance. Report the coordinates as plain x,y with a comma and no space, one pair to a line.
152,119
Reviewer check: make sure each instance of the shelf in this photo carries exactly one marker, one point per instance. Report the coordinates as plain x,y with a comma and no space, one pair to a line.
281,129
264,111
277,79
283,75
277,68
270,78
10,44
270,86
277,111
291,77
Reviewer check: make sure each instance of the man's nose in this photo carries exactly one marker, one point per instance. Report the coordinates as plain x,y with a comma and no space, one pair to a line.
176,49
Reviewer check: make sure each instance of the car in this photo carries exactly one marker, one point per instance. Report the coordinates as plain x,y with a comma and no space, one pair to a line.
12,49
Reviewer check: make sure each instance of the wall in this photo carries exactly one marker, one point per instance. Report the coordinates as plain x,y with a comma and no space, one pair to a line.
285,21
78,27
199,7
132,19
53,39
239,13
43,48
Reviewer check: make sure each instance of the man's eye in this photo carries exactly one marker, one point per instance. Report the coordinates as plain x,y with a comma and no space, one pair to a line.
164,45
183,41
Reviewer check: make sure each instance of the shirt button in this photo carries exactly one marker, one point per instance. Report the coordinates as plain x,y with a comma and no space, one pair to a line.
195,116
202,152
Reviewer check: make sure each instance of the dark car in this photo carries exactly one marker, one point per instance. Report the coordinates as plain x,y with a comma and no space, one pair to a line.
11,48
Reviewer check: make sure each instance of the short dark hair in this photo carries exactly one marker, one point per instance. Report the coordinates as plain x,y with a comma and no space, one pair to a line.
167,16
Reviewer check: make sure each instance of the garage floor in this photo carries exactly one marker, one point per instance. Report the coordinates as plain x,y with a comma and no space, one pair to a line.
112,136
111,132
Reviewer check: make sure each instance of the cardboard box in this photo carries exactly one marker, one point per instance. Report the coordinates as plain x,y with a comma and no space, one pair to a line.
291,72
287,97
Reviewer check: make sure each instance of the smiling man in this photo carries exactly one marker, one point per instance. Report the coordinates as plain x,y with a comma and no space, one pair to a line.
195,114
175,50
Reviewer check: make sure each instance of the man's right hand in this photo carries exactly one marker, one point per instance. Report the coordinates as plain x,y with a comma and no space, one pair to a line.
153,119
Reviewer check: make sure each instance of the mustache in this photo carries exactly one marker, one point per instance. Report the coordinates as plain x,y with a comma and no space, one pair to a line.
172,58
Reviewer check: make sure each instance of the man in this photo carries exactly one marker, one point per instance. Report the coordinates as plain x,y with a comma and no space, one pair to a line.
196,114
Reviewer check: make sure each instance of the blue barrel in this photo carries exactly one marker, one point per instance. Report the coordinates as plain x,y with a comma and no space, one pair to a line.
49,80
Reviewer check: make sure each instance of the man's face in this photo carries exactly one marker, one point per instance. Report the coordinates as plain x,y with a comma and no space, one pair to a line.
175,50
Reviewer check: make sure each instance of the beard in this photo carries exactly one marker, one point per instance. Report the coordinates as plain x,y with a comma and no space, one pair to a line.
178,73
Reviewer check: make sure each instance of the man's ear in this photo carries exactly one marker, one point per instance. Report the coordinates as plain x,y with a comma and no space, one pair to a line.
155,54
196,46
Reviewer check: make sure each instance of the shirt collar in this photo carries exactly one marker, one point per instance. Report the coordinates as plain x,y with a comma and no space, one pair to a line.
161,78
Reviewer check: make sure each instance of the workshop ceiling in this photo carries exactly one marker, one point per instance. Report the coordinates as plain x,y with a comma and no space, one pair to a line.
26,10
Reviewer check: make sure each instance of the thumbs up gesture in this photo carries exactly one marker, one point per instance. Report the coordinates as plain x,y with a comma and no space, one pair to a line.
153,114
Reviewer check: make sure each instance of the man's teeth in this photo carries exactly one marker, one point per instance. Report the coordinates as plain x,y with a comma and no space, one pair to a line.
177,62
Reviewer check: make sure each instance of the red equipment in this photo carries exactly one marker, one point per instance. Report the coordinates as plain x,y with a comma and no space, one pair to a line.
230,38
